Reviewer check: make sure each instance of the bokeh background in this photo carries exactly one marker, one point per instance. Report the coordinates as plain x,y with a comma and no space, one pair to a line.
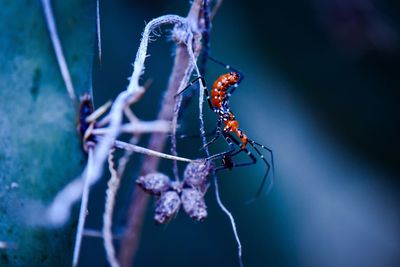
321,89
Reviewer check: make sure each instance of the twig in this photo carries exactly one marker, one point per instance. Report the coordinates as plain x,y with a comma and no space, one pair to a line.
112,188
148,152
138,65
82,213
62,63
123,161
201,101
98,112
139,127
177,107
139,200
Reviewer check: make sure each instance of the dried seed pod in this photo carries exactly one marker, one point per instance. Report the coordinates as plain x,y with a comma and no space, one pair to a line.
193,204
176,186
196,173
154,183
167,206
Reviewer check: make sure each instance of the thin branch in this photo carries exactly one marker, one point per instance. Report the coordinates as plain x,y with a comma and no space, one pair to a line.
82,214
62,63
138,66
112,188
148,152
99,112
139,127
178,101
201,101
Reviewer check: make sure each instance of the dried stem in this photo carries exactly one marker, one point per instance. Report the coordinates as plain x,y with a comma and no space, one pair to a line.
139,127
62,63
175,120
148,152
82,214
139,200
177,107
112,188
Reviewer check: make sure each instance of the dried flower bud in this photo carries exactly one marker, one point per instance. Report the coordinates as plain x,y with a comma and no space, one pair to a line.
196,173
167,206
154,183
193,204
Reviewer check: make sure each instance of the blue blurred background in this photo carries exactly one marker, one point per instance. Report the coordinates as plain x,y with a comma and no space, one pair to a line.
321,89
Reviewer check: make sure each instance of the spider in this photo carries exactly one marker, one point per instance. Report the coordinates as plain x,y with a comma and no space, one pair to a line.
218,100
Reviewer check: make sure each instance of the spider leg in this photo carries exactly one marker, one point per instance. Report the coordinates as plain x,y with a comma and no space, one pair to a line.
234,153
189,85
203,83
269,166
215,133
228,152
231,153
216,136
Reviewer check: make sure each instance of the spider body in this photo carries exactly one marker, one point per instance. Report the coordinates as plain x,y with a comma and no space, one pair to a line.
219,98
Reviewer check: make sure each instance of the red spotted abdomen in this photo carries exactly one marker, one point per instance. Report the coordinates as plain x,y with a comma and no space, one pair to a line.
218,92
